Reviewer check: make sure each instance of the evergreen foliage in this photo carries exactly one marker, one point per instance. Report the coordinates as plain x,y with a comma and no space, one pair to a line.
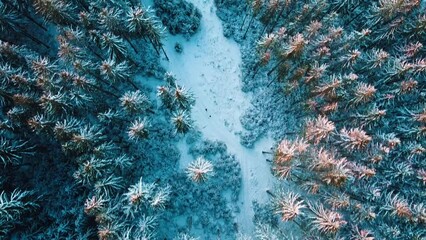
74,120
353,74
179,16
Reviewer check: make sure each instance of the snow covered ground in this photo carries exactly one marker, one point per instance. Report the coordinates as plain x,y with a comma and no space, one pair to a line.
210,67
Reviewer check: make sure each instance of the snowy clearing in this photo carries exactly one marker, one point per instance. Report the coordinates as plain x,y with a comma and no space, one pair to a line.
210,67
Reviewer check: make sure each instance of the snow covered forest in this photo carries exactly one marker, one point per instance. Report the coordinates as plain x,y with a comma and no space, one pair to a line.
212,119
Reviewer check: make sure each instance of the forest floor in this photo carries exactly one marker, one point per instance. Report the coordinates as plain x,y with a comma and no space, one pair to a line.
210,67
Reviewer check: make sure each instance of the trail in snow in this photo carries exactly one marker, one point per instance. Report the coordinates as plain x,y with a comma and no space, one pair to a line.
210,67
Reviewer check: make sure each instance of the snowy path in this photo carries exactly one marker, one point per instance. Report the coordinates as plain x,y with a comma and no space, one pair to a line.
210,67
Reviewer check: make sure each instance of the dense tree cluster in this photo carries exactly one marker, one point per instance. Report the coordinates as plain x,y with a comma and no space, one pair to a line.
70,103
357,71
352,74
179,16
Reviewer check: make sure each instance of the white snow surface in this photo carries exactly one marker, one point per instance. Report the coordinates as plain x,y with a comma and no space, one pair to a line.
210,68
